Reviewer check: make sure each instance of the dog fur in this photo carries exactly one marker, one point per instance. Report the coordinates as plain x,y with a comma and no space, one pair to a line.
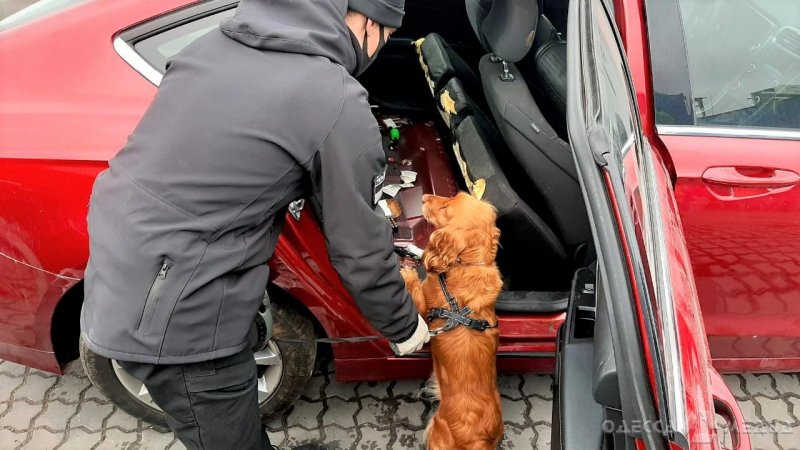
464,246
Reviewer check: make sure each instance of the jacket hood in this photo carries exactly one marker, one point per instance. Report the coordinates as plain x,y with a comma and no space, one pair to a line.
311,27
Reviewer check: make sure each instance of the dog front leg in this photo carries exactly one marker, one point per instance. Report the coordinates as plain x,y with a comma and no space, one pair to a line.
414,287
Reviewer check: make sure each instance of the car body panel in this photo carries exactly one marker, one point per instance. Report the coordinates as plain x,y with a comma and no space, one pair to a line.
744,242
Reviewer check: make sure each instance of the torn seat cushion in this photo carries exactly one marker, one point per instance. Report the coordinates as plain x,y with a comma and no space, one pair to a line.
454,104
441,63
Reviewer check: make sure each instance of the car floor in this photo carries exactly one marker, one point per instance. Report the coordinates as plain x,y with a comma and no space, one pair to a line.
43,411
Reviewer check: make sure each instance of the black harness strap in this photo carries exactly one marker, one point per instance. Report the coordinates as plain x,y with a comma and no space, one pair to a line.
455,316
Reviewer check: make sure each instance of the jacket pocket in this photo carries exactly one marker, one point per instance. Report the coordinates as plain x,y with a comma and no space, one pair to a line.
153,295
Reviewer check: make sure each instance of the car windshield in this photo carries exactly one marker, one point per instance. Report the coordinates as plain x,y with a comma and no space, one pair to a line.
15,13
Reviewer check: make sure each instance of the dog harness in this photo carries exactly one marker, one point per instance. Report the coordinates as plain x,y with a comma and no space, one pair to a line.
454,316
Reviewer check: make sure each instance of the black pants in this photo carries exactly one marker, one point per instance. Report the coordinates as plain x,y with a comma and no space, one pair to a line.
209,405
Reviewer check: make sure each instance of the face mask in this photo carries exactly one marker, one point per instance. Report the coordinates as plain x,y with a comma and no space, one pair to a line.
363,60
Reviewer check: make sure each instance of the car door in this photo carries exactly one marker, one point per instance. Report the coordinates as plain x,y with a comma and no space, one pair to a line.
726,81
668,394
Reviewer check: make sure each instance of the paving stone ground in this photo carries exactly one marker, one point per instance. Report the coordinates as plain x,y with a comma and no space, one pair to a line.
43,411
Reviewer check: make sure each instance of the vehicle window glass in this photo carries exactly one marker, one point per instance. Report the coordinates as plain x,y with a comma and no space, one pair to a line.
157,49
744,62
15,13
613,107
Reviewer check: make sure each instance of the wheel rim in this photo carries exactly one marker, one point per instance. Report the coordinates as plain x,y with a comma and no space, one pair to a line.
269,364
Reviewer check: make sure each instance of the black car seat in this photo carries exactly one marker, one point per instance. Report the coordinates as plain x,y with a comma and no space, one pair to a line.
531,255
509,29
545,71
441,63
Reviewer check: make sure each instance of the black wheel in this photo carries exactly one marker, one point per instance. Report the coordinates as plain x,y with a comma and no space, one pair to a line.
283,370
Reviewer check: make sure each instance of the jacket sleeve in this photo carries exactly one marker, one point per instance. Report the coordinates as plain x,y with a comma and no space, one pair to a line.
345,174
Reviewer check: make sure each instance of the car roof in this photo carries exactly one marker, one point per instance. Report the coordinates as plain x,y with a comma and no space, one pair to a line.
66,93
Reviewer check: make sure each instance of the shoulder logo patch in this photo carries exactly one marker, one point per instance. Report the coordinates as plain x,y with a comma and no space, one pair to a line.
377,185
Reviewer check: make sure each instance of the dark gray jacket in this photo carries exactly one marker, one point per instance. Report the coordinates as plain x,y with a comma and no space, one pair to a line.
183,222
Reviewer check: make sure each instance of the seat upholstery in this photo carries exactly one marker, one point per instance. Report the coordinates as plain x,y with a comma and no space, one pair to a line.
531,255
440,63
532,140
550,78
454,103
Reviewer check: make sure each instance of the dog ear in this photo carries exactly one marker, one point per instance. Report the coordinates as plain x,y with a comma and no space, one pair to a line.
442,251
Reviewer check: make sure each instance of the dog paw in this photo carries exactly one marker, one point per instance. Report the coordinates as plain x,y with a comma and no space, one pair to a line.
409,274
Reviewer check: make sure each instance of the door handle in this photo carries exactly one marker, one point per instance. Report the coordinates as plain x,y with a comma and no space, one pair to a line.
751,177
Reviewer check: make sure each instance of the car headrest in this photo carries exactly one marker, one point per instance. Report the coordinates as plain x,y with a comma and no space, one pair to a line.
510,27
477,10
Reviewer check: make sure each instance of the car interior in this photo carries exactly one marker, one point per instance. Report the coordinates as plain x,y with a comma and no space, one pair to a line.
495,101
471,95
495,91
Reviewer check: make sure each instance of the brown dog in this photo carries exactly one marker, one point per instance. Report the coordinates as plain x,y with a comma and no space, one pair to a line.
463,247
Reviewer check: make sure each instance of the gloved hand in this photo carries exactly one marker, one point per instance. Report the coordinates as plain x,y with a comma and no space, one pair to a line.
415,342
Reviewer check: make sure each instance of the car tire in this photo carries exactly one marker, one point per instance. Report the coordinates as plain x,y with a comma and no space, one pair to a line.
296,366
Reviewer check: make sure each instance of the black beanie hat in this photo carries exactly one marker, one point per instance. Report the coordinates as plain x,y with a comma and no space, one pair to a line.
386,12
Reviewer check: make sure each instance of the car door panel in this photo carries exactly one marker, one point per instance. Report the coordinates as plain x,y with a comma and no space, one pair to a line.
740,206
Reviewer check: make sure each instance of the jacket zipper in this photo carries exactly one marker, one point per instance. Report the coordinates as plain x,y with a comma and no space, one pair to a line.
153,296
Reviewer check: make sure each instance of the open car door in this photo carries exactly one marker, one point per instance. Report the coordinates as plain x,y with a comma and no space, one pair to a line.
640,375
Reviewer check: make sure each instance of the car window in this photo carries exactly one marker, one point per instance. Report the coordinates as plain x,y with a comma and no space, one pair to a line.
743,63
15,13
156,50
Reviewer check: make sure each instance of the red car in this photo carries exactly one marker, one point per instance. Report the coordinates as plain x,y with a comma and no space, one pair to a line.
600,286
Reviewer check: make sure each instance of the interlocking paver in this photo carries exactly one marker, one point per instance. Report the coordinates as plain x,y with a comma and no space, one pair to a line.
340,438
759,384
340,413
42,439
35,387
81,440
388,415
541,385
408,439
20,415
304,414
409,413
775,411
787,382
11,439
378,390
543,434
55,415
541,410
514,411
789,440
117,439
509,386
8,383
373,439
408,388
68,389
91,415
345,391
518,438
13,369
763,441
375,412
734,383
122,420
297,436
